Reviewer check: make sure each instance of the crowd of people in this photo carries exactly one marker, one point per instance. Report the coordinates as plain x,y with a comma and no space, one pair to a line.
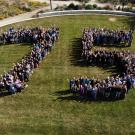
42,39
97,36
24,35
115,87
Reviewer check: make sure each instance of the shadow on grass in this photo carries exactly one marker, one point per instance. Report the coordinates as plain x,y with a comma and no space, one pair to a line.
77,60
67,95
21,44
75,56
4,93
60,93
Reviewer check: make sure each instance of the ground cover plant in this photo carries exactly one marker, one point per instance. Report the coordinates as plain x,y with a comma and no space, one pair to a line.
14,7
45,107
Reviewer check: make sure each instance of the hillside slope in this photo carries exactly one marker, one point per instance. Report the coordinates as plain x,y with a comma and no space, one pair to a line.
14,7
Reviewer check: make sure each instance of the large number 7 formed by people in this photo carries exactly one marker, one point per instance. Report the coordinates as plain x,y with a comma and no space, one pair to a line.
42,40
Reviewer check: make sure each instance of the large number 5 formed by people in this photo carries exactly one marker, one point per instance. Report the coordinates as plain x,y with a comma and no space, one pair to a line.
43,39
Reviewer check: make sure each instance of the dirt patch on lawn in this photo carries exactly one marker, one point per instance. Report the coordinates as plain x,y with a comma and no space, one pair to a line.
112,19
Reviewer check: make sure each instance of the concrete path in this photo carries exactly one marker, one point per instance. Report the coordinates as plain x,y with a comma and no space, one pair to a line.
20,17
27,16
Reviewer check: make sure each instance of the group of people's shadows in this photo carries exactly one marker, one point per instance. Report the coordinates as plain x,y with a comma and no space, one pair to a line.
4,92
76,52
105,96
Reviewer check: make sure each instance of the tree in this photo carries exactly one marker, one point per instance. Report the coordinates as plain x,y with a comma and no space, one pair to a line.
51,4
115,2
124,2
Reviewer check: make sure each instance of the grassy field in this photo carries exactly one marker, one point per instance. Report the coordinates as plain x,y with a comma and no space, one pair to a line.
45,107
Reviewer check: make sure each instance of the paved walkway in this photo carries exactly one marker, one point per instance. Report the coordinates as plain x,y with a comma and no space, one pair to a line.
29,15
20,17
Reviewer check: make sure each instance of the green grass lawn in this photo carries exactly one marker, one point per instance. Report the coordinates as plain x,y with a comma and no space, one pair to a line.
45,108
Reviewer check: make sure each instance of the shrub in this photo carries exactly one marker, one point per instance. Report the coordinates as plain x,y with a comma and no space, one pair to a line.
71,6
27,9
78,7
119,8
87,7
16,7
95,6
36,4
